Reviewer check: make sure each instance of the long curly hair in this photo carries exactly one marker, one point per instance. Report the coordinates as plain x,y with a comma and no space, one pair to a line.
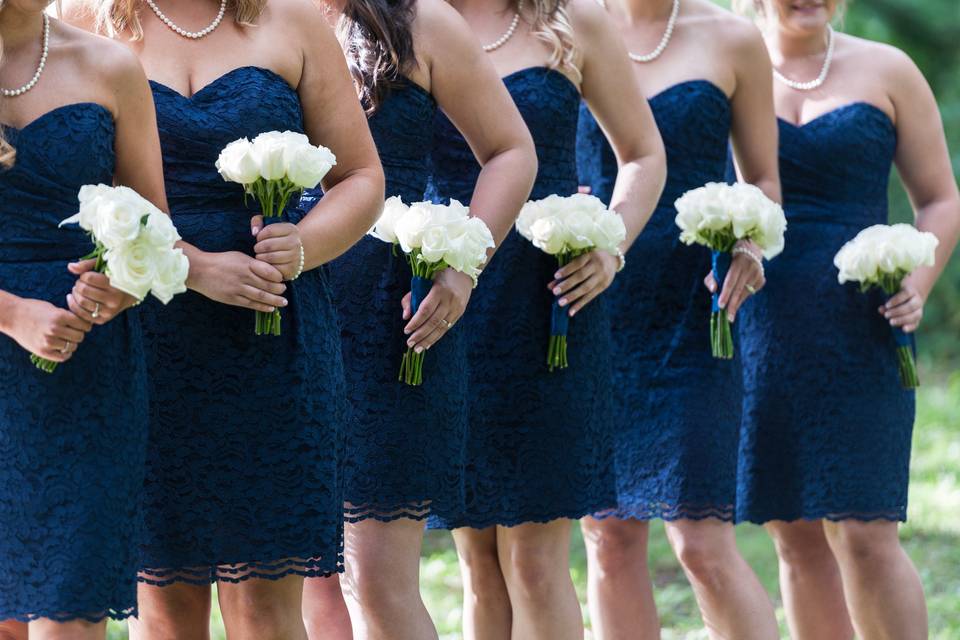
377,38
113,17
551,24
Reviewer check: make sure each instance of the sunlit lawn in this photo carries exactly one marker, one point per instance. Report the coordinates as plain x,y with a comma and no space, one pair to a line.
932,538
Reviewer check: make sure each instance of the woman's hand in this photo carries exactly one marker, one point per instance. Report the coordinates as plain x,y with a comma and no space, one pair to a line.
278,244
47,331
439,311
583,279
744,278
93,299
905,309
237,279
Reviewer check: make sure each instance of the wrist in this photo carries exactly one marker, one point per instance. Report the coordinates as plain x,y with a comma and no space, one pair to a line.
9,307
199,263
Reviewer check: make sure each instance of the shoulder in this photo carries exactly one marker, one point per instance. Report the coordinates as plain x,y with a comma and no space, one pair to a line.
304,17
99,57
588,19
739,36
896,72
440,33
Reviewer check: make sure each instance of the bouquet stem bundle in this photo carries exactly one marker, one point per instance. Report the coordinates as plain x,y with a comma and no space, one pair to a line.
411,365
721,334
273,197
560,323
906,362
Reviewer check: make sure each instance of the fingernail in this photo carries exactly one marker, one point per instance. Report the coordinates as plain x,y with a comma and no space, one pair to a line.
557,291
418,350
558,275
730,317
563,302
573,312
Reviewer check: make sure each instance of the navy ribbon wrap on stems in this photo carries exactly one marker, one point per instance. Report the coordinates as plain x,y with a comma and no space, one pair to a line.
906,359
411,366
559,324
721,336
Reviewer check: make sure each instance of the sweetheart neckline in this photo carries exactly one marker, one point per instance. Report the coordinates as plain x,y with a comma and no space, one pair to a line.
221,78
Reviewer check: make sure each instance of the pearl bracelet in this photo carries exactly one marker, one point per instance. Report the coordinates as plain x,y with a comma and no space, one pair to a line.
750,254
622,259
303,261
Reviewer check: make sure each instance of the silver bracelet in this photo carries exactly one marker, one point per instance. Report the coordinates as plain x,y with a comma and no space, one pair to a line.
303,261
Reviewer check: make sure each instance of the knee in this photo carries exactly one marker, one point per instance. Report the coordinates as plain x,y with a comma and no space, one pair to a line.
13,630
615,548
170,613
799,548
265,609
481,572
863,543
535,572
704,555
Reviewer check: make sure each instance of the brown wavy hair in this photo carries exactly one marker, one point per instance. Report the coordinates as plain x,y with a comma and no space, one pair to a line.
377,38
113,17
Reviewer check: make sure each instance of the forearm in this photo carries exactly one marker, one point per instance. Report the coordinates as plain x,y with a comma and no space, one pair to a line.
502,189
943,220
636,193
196,258
8,307
345,213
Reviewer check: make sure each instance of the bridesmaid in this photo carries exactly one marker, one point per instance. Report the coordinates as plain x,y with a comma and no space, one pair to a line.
677,417
826,451
75,110
404,456
242,485
540,447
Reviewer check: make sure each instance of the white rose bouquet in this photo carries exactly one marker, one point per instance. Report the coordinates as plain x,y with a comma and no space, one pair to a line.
718,215
568,227
432,237
133,245
882,256
274,168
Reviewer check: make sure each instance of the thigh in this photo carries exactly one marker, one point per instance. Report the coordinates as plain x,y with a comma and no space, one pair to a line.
178,610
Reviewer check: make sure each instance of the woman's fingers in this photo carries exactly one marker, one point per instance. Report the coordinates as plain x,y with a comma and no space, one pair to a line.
256,224
82,313
266,272
577,298
570,282
910,305
572,266
405,305
81,266
596,288
710,283
263,300
428,306
282,245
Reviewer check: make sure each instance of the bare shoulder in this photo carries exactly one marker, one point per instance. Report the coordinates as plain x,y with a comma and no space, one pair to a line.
897,72
439,28
737,34
589,20
304,17
99,57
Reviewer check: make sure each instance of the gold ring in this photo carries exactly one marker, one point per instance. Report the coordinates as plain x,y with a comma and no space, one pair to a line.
751,289
96,312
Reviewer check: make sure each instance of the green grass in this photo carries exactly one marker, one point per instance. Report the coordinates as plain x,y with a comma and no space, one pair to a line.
931,537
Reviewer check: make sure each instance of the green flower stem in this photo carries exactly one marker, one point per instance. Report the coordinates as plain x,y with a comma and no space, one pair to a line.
273,197
721,336
411,365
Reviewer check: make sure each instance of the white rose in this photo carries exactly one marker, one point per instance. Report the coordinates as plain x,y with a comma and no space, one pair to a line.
159,231
467,250
132,268
119,215
609,231
412,225
530,213
548,235
171,277
308,165
435,243
385,228
579,228
268,151
238,164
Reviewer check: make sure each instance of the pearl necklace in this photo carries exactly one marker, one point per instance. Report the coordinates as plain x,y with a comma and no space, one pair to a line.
502,40
813,84
193,35
667,35
13,93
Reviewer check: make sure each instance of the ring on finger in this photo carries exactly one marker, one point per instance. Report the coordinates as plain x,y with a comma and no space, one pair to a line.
66,347
750,288
447,323
96,312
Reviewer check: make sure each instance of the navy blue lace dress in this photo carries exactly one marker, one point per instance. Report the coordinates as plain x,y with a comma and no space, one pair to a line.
539,445
405,445
242,467
827,426
677,407
72,442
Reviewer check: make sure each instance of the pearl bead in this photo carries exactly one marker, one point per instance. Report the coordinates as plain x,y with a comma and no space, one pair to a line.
193,35
824,71
502,40
45,50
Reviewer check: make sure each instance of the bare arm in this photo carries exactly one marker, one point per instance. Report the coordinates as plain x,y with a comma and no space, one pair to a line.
924,165
611,91
469,91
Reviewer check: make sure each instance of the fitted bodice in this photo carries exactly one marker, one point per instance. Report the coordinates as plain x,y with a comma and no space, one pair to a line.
836,168
548,103
694,119
402,129
243,102
57,153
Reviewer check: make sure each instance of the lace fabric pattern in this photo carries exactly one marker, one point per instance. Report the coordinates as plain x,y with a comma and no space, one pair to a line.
404,444
827,427
677,409
73,442
539,444
246,431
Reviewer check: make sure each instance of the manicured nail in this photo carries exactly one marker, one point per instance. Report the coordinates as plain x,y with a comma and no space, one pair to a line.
558,275
563,302
284,303
573,312
418,350
557,291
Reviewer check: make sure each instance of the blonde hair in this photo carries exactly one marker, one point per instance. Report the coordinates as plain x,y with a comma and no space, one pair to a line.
113,17
551,24
7,153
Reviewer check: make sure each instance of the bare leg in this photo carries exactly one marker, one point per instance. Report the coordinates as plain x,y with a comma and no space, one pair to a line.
324,610
882,587
262,609
487,613
732,601
810,582
13,630
535,559
620,592
382,583
177,612
44,629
